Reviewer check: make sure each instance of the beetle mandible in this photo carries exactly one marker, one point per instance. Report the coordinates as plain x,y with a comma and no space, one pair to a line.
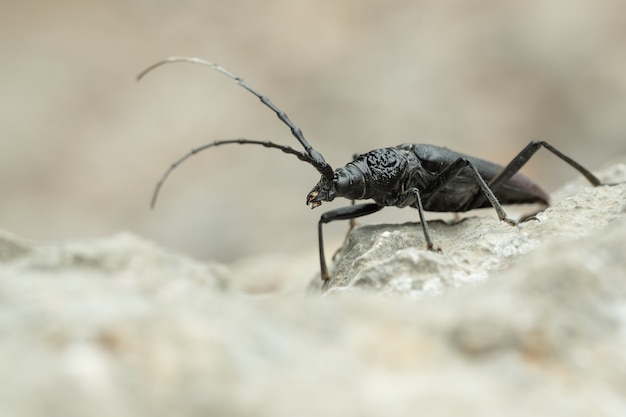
425,177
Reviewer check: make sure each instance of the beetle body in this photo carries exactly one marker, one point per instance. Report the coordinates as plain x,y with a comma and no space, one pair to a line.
383,175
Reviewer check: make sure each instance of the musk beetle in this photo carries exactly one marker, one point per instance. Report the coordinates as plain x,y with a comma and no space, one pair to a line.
425,177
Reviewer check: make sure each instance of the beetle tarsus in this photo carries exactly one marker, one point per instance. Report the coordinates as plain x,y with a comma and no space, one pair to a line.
509,221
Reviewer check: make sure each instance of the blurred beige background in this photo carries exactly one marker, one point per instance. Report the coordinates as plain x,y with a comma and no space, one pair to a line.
82,144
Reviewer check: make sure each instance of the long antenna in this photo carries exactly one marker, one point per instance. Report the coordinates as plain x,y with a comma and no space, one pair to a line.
316,159
287,149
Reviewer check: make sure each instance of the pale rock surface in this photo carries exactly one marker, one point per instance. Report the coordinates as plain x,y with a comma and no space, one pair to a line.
506,321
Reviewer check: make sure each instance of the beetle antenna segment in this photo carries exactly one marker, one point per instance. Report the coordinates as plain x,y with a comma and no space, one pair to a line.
315,158
266,143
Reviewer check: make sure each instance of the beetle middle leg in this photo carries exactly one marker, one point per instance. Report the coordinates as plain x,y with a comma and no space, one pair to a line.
449,173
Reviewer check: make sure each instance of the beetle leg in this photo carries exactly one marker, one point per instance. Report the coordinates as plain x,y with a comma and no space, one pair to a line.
411,197
342,213
449,173
351,226
518,162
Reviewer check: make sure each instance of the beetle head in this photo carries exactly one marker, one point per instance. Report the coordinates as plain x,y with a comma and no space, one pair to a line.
348,182
324,190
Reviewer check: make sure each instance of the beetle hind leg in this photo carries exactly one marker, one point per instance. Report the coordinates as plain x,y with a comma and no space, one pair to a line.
524,156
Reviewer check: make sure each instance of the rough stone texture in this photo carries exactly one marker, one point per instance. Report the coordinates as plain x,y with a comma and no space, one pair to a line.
117,326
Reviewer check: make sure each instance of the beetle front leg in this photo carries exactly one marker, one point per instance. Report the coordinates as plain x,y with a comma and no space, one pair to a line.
342,213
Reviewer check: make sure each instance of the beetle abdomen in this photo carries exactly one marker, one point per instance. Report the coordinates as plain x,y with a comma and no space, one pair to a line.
520,190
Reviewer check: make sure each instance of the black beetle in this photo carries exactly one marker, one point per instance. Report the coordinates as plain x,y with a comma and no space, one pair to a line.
426,177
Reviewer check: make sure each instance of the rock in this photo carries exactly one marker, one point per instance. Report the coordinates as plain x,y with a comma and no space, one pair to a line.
124,258
118,326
